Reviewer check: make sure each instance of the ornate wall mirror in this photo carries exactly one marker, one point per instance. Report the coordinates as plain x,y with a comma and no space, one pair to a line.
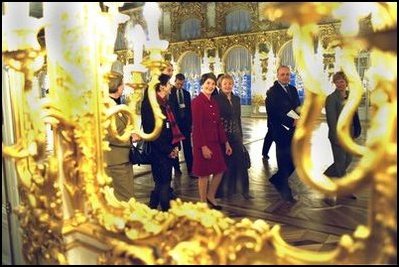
68,211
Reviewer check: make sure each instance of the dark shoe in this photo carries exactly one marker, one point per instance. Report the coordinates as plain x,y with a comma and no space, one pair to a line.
351,196
213,206
172,194
192,176
247,196
178,172
266,157
286,194
291,199
331,201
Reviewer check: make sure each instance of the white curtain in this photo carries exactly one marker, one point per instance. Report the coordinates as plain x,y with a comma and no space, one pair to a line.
238,21
238,65
287,56
190,29
190,66
238,59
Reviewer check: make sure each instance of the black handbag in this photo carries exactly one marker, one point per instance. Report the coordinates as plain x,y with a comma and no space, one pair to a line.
247,159
141,153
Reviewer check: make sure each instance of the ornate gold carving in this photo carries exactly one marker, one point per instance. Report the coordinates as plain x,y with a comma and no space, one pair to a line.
39,188
68,192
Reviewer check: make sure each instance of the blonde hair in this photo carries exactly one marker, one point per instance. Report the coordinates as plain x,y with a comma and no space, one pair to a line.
224,77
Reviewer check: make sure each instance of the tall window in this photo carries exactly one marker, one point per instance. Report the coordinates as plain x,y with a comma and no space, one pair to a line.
238,21
190,66
238,65
190,29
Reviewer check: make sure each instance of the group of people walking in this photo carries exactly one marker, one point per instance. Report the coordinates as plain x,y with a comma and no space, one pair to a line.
210,131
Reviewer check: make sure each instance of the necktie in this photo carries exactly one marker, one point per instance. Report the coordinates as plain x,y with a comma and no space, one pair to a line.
181,96
287,89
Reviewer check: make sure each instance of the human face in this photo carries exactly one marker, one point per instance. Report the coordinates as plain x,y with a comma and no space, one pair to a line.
179,84
119,92
208,86
167,88
283,76
226,86
168,71
341,85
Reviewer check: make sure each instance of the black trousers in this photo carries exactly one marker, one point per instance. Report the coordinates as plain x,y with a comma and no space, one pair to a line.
235,179
267,143
188,153
285,164
162,175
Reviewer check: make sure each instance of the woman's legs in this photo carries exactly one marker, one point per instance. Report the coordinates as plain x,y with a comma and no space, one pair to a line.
203,187
214,186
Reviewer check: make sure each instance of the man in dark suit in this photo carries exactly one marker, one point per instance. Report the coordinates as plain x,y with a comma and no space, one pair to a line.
282,106
217,88
180,100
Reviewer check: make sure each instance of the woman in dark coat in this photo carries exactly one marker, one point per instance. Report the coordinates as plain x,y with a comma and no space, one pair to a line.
235,179
165,148
208,139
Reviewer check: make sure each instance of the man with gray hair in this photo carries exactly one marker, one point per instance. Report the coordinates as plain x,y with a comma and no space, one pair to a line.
282,102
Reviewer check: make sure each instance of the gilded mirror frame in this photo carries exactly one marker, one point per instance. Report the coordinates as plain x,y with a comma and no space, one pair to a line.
67,195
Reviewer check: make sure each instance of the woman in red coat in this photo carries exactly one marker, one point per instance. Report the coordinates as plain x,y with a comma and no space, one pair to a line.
208,139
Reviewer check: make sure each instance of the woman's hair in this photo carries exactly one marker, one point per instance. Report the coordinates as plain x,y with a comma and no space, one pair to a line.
340,75
115,79
207,76
163,81
224,77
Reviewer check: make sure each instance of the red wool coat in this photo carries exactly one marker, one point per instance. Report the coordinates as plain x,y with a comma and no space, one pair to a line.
207,131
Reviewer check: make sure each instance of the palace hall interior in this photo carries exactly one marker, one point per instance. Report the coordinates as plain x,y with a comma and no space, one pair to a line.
199,133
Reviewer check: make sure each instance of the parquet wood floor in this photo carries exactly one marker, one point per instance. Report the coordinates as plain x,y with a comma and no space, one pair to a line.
309,223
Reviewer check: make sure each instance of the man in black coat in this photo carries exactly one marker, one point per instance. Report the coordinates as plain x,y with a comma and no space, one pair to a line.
282,105
180,100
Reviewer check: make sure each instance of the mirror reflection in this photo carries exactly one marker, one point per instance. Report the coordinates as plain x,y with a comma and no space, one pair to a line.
254,196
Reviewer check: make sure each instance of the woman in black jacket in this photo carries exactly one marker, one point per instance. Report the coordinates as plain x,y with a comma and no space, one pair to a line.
165,148
235,179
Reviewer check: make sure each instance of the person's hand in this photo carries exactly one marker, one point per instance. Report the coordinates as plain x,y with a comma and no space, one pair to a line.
206,152
174,153
229,150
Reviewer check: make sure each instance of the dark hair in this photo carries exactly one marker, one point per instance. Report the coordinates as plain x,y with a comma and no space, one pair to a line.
220,75
180,76
115,79
163,79
207,76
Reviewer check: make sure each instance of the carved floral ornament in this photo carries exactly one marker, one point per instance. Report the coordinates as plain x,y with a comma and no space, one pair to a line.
68,193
